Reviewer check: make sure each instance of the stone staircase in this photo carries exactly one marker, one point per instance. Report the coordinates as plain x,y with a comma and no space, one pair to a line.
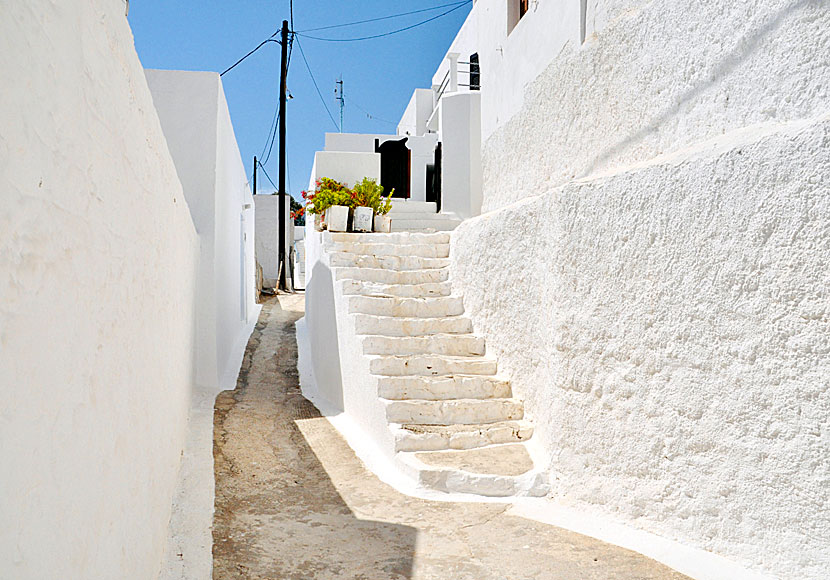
456,425
409,215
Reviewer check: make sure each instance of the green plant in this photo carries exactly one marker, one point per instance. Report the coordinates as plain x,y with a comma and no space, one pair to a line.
368,193
327,192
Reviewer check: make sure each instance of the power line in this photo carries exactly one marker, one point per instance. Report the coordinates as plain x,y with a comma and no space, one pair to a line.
268,176
260,45
383,17
322,100
410,27
371,116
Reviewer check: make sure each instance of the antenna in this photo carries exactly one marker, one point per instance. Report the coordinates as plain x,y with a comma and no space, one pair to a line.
338,95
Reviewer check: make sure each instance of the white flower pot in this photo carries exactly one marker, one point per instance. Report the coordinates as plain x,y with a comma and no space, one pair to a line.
362,221
337,218
383,223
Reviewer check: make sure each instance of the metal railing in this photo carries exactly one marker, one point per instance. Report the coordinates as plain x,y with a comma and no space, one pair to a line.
470,68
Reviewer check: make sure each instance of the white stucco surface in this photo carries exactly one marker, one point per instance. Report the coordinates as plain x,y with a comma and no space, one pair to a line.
668,330
196,123
460,129
267,236
507,62
348,167
99,258
658,77
197,126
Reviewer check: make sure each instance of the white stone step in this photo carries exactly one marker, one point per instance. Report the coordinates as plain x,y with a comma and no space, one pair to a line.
412,206
396,326
442,224
367,288
391,238
437,437
399,263
392,276
406,307
454,411
498,471
451,344
441,388
430,365
377,249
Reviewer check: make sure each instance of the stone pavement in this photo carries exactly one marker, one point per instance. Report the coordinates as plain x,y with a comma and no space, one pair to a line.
293,501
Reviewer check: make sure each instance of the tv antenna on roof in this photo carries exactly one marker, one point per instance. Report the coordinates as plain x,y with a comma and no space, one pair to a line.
338,95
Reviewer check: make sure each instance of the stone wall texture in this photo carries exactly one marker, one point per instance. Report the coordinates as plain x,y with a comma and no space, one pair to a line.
98,259
653,275
659,77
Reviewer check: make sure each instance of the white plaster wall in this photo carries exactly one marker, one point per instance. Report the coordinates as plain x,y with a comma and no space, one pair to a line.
197,126
340,370
460,128
668,329
98,256
659,77
345,166
659,294
236,309
267,240
509,62
417,113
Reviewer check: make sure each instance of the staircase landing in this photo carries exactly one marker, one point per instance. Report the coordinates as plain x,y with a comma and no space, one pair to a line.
408,215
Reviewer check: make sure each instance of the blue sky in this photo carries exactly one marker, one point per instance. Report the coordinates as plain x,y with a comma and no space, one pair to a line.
379,75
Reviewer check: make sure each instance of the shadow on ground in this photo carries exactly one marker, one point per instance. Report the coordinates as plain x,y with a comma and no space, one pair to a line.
278,515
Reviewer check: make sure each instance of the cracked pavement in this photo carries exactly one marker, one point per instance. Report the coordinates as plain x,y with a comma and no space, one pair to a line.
294,502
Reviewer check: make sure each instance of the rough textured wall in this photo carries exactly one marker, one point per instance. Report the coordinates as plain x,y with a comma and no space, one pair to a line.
658,77
669,329
98,257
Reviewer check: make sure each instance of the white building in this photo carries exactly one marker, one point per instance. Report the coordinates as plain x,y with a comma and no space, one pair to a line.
650,267
126,290
197,126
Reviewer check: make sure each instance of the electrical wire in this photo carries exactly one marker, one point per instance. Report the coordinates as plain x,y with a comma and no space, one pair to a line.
390,33
356,22
260,45
268,177
371,116
322,100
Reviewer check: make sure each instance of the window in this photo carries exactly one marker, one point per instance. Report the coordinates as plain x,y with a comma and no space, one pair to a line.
523,8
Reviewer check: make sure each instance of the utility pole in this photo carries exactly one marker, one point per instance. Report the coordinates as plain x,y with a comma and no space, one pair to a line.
340,97
255,164
282,264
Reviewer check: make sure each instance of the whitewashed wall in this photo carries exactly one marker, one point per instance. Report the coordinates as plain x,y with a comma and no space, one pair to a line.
656,80
653,274
98,260
509,61
197,126
267,236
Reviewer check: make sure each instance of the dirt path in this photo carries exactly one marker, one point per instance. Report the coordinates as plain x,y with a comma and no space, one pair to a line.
293,501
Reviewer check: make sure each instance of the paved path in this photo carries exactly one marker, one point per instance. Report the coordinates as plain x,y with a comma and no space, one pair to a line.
293,501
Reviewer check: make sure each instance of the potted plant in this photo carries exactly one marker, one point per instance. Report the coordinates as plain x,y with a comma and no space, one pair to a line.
383,223
366,195
330,203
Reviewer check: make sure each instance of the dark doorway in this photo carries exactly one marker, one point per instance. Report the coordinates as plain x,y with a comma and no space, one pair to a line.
433,192
395,166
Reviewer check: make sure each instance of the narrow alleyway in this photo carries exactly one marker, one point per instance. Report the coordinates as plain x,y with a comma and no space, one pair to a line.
293,501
